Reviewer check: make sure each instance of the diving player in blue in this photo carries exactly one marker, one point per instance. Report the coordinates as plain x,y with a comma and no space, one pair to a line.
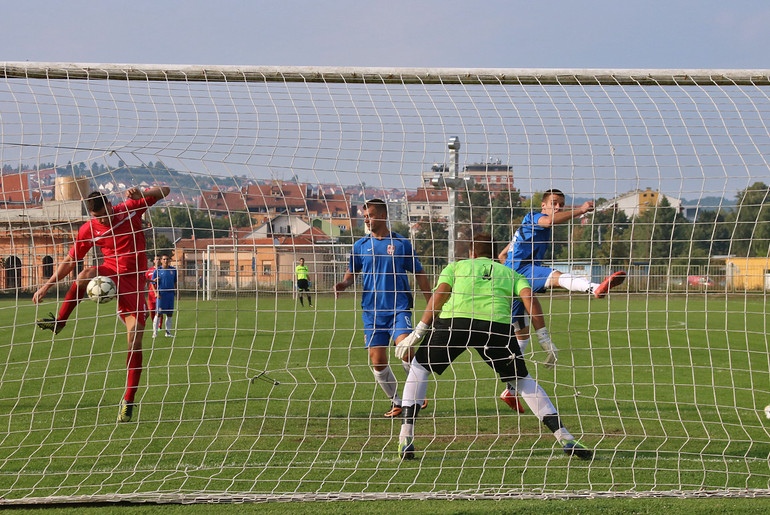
525,254
383,259
164,280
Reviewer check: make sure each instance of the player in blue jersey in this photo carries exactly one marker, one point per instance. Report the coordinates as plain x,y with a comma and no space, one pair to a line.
384,259
525,254
164,280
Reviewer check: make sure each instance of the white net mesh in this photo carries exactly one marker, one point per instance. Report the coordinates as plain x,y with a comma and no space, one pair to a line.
260,394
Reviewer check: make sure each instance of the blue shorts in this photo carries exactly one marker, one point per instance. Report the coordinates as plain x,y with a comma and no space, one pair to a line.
165,304
536,275
380,329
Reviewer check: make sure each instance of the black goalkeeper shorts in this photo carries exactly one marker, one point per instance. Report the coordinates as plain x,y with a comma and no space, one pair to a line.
495,342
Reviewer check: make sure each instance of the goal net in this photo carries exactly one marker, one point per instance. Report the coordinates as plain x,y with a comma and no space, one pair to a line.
265,391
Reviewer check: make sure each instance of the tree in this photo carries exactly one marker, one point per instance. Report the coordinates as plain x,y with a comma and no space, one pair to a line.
751,231
431,244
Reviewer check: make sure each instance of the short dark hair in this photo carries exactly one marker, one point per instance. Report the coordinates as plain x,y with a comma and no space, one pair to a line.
551,192
483,245
95,201
378,204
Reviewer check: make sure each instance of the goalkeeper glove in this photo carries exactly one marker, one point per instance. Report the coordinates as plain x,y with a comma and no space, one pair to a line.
547,345
413,339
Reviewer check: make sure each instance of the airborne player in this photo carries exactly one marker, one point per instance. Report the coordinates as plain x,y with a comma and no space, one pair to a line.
117,231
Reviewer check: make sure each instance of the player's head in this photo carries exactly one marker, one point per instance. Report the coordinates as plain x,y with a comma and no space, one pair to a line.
482,245
99,207
156,260
164,261
301,261
376,214
553,201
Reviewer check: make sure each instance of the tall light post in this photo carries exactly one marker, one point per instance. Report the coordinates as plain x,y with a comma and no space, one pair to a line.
450,179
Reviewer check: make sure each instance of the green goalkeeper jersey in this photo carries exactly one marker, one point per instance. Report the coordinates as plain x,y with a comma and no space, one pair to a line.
302,272
482,289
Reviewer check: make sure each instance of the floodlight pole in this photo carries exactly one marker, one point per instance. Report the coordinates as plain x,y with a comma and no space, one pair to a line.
449,179
452,184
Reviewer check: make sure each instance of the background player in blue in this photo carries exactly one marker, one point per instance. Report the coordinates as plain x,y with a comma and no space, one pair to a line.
164,279
525,254
383,259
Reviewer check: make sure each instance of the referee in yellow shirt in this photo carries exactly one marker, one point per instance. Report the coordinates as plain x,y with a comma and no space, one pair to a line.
303,281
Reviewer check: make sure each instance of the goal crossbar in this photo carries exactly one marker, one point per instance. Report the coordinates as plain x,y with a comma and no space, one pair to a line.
356,75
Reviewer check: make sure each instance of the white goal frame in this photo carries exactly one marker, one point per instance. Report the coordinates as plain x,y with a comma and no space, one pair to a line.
621,436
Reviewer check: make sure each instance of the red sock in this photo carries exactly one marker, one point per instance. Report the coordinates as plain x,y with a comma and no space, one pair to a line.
134,364
71,299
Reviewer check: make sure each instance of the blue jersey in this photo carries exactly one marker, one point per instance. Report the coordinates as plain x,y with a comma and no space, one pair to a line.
529,245
165,280
383,265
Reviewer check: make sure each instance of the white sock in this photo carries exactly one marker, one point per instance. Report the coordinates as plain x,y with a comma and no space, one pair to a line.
535,397
168,323
155,324
574,283
523,344
416,386
389,384
407,431
562,435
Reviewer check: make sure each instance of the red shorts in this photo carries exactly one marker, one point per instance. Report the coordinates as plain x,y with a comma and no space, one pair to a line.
151,301
131,289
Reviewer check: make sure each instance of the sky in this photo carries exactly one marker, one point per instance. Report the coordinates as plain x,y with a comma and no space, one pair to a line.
497,34
392,33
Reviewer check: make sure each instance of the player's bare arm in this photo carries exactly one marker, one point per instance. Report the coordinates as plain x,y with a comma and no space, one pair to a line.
62,271
557,217
158,192
503,256
436,303
345,283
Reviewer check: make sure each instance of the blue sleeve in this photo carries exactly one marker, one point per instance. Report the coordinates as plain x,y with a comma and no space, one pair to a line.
411,263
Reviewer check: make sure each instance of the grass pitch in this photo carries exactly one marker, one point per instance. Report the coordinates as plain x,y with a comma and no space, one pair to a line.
265,397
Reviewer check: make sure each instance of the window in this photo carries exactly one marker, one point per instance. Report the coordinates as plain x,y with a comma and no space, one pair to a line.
224,268
267,267
47,266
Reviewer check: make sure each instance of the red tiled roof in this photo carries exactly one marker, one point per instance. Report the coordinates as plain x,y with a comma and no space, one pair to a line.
428,195
289,196
221,201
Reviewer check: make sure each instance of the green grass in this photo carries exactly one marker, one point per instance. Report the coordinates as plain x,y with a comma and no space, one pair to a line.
669,390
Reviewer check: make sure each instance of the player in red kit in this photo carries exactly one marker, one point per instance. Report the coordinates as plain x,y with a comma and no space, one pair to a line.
117,231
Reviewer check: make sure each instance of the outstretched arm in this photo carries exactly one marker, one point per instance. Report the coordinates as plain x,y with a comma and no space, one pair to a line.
565,216
62,271
158,192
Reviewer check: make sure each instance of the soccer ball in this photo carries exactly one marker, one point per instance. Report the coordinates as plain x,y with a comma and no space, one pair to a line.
767,411
101,289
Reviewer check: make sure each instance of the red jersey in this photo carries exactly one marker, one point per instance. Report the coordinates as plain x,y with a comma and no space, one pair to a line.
148,277
122,243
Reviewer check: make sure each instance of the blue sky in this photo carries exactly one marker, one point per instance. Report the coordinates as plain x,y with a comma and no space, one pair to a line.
398,33
413,33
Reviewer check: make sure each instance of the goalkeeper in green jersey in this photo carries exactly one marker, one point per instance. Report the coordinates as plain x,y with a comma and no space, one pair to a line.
303,281
471,307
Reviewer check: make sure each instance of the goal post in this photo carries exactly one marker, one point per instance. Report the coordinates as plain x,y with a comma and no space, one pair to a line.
260,396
